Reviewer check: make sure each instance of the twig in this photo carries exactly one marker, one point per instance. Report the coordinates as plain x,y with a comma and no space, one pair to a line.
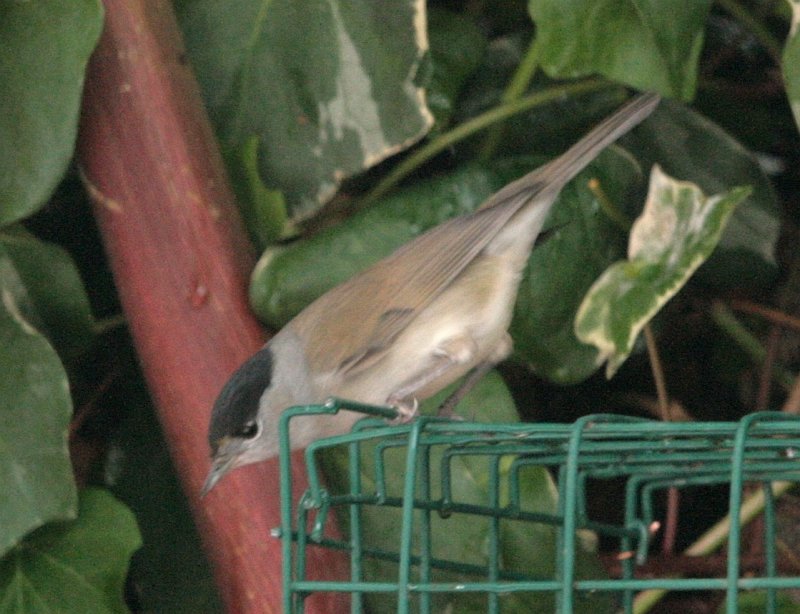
773,315
792,403
105,325
85,411
673,496
650,404
658,372
727,321
765,377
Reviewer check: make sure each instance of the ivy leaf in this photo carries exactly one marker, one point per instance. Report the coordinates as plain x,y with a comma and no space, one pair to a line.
688,145
77,566
264,210
791,62
457,47
321,112
674,235
46,45
35,408
59,305
649,44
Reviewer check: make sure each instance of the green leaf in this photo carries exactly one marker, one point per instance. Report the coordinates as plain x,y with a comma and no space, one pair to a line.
77,566
59,304
675,234
687,145
35,408
528,548
756,602
46,45
565,265
791,62
329,88
264,210
649,44
457,47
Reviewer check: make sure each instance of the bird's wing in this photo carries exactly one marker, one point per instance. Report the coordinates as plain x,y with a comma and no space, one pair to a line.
358,320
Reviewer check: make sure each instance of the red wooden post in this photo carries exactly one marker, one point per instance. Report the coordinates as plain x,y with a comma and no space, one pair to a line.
181,261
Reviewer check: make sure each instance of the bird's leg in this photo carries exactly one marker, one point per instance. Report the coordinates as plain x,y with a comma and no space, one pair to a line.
406,409
455,352
500,353
446,409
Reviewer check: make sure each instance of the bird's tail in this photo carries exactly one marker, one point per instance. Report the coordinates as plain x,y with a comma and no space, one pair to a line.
554,175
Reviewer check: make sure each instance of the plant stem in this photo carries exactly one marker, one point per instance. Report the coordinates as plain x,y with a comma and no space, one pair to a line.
104,325
608,207
729,323
658,372
476,124
516,87
792,403
673,496
775,316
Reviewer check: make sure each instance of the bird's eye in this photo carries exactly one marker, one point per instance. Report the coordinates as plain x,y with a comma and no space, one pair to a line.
249,430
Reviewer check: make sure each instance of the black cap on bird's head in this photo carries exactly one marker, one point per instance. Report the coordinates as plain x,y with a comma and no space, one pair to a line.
234,417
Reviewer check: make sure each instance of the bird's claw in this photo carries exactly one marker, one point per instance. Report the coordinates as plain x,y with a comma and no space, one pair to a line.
407,410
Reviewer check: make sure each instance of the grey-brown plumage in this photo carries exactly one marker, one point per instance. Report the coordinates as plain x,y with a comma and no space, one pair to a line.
412,323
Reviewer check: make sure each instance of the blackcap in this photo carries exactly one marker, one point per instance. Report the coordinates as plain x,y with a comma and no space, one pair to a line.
436,309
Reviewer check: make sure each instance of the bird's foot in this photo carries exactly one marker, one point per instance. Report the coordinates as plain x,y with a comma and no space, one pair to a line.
448,409
407,410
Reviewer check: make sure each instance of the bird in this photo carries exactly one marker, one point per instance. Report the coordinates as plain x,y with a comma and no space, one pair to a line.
436,309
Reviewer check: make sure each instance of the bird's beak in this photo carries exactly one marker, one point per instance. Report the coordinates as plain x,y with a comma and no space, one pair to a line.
220,465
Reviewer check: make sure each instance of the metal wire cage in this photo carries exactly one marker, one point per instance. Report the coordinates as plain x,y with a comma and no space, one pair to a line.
648,456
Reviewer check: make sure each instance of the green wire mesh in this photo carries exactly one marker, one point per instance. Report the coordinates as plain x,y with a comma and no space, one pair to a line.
650,456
